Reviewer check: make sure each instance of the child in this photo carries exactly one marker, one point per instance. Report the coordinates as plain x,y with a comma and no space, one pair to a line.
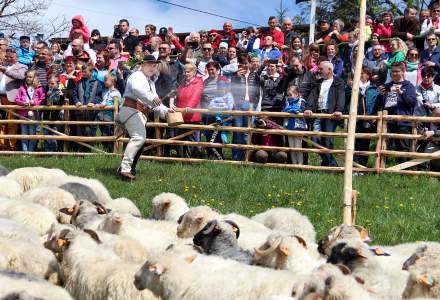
25,53
296,104
29,94
110,96
54,96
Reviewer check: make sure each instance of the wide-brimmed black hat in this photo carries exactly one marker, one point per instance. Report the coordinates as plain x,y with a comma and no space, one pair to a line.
150,59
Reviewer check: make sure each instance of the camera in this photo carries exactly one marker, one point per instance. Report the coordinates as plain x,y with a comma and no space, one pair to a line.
193,45
117,34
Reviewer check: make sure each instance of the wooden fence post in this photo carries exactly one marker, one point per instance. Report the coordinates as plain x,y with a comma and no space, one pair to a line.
66,126
158,134
414,132
249,138
379,141
383,146
116,129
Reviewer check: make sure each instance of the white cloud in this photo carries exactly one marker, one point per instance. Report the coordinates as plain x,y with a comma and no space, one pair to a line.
104,14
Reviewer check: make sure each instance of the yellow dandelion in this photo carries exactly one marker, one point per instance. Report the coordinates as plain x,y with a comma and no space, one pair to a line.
269,195
278,195
401,205
386,207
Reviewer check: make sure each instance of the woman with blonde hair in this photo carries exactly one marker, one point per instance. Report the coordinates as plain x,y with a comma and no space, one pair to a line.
398,52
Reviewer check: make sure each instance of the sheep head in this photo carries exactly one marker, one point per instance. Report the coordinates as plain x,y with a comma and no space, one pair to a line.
217,236
148,276
421,285
194,220
349,253
342,232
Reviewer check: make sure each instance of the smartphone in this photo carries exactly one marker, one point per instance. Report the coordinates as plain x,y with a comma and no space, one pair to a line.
193,45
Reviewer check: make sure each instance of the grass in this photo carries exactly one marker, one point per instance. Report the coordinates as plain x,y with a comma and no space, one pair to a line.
394,208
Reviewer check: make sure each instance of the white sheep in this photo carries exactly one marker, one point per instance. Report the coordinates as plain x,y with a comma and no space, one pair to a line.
95,272
385,282
37,216
124,205
21,284
288,252
287,220
30,177
253,234
102,194
10,229
168,207
331,282
155,236
174,276
9,188
85,214
28,257
53,198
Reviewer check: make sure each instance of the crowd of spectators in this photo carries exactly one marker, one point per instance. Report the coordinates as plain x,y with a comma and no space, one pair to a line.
258,69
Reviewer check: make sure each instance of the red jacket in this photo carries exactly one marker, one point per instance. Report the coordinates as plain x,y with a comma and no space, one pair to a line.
278,37
189,95
384,32
229,38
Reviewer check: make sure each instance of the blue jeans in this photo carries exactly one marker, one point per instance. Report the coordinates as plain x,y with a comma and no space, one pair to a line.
325,125
28,145
240,137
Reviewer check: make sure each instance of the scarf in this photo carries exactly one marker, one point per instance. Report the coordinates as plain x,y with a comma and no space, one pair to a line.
426,86
412,66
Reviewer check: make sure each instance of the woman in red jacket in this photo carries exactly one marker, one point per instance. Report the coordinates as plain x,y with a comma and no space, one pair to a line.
385,30
189,95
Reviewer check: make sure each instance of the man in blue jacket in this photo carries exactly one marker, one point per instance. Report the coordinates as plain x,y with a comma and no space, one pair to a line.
398,97
430,57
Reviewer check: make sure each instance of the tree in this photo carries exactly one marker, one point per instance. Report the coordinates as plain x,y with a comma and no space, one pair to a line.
281,12
25,17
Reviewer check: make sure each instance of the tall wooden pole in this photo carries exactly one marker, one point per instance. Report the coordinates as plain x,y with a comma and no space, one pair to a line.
313,21
348,174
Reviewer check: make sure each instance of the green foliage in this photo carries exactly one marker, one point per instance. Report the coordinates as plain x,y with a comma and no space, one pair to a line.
395,208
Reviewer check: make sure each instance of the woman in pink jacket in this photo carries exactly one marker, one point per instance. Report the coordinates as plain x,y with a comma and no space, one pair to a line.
385,30
189,95
29,94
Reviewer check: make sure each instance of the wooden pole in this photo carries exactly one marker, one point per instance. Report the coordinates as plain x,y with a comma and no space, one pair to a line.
348,173
312,21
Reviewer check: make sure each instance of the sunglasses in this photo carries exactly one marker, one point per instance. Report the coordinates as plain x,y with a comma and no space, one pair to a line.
163,48
413,55
213,35
426,76
207,49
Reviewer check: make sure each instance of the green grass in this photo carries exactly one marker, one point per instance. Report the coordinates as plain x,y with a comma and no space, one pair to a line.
394,208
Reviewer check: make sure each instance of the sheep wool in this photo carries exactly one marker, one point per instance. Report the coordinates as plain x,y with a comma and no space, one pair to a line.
9,188
9,229
30,177
27,286
168,207
124,205
3,171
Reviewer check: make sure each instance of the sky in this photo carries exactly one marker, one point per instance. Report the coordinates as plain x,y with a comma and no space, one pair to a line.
103,15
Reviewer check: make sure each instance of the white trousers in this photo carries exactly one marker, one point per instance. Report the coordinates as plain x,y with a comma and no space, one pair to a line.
138,134
295,157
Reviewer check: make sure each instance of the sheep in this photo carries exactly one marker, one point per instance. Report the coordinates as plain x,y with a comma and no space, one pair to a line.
287,252
37,216
79,191
287,220
424,279
124,205
220,238
210,277
253,233
85,214
155,236
95,272
9,188
3,171
31,177
101,193
331,282
22,285
23,256
384,282
53,198
168,207
9,229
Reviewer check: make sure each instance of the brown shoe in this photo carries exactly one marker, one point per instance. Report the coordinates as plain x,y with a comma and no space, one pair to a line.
127,176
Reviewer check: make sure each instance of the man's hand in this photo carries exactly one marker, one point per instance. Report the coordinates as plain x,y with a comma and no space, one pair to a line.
90,104
428,133
308,113
157,101
2,69
172,109
382,90
78,104
427,105
409,36
140,106
398,89
337,115
429,64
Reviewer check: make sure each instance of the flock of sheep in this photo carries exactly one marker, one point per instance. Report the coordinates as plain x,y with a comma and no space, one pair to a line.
64,237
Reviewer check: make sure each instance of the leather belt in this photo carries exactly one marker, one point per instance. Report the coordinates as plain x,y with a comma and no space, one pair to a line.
129,102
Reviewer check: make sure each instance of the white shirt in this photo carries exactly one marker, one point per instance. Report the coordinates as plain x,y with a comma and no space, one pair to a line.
323,93
142,88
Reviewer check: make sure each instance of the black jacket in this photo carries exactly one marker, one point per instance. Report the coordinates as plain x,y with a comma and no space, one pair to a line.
303,81
271,99
238,87
336,96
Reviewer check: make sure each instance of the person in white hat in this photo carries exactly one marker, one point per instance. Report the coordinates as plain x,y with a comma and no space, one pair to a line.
140,95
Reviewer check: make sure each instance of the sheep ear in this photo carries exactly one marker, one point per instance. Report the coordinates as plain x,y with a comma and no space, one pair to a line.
329,281
359,280
61,243
301,241
235,228
284,251
199,220
426,280
93,235
100,208
344,269
180,219
364,234
67,210
190,259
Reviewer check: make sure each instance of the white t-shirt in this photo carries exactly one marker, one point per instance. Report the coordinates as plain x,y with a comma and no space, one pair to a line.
323,93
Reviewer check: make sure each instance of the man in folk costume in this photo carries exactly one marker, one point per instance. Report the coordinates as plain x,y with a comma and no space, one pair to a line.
140,95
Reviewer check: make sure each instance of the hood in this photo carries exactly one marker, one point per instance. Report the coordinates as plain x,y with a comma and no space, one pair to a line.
79,18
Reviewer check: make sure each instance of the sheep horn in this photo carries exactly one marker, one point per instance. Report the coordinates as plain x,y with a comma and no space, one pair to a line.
211,227
180,219
100,208
235,228
269,250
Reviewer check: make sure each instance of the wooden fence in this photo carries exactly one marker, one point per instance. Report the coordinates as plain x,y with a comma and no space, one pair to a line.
380,154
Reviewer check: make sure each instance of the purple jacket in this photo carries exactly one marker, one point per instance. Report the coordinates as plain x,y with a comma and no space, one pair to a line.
22,98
